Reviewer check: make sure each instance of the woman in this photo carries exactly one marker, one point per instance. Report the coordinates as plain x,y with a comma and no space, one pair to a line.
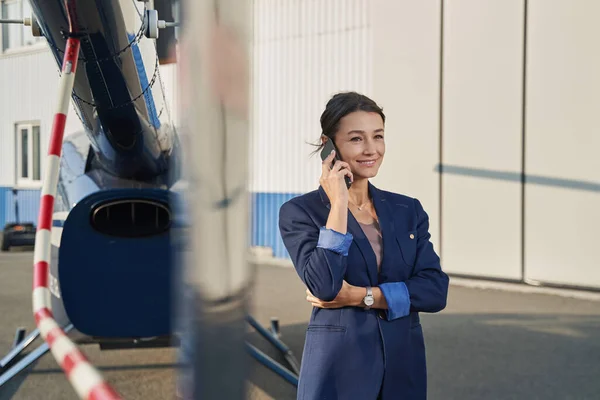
365,256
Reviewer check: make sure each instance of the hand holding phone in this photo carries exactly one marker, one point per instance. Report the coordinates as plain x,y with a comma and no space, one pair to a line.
335,180
326,151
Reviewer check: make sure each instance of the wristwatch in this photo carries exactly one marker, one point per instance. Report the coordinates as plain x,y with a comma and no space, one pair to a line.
368,300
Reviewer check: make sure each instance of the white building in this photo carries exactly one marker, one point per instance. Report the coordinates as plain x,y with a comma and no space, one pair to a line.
491,112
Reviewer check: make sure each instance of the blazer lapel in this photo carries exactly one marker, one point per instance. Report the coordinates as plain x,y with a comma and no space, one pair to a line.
361,240
384,214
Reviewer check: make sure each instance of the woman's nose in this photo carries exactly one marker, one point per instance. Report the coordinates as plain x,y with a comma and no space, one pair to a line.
369,147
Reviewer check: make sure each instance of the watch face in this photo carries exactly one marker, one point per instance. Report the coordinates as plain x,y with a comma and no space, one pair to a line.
369,301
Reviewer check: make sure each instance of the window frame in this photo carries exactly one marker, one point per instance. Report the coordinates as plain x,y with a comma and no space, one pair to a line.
29,181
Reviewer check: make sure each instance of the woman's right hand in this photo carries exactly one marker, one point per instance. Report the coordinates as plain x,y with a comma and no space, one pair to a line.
333,182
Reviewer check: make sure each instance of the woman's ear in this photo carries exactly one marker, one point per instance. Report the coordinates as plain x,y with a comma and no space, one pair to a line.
324,139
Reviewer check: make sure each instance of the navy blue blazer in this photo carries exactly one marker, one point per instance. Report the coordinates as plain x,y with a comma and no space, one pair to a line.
352,353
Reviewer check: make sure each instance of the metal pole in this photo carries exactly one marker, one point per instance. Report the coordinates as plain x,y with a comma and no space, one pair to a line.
88,383
11,21
272,365
16,350
215,108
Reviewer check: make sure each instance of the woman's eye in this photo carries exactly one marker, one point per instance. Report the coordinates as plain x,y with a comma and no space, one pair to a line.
355,139
379,137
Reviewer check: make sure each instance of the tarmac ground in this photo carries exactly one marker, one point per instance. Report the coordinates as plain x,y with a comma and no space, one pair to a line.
487,344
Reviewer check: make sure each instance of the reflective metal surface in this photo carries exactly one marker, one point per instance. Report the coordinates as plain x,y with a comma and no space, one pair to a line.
214,71
118,93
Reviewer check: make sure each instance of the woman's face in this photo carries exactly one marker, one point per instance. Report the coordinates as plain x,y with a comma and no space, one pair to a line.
361,143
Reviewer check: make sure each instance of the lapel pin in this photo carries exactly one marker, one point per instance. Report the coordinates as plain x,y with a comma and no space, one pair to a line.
412,236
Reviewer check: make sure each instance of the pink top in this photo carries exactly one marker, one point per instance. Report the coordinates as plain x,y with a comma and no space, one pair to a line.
373,233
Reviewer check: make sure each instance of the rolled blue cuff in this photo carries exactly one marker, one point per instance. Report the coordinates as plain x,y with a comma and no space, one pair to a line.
334,241
397,298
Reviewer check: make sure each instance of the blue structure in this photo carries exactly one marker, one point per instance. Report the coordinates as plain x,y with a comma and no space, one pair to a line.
265,214
28,201
265,220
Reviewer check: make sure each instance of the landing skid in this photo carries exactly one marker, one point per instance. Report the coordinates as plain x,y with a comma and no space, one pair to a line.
272,336
9,369
7,372
19,344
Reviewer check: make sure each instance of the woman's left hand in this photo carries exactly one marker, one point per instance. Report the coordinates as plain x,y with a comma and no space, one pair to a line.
347,296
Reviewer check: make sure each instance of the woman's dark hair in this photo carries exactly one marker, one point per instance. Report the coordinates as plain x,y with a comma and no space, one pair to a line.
340,105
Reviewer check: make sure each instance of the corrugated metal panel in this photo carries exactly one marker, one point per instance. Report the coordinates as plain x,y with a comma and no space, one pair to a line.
304,51
265,212
29,83
28,201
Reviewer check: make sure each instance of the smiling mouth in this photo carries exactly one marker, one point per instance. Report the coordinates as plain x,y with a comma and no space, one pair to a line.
368,163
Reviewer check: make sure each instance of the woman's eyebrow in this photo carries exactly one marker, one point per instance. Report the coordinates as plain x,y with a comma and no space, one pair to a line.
363,132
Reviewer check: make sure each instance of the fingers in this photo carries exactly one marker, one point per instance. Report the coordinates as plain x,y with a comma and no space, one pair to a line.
326,166
344,171
313,300
319,303
349,174
339,165
340,168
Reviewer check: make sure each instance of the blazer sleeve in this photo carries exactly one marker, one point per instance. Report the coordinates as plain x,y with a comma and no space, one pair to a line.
320,265
428,286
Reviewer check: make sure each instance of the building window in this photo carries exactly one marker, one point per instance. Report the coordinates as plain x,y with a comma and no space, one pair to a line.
15,36
28,155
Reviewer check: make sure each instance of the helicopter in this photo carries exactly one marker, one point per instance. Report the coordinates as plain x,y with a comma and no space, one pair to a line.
109,274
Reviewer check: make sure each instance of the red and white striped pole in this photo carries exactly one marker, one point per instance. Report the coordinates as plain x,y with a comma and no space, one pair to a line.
85,379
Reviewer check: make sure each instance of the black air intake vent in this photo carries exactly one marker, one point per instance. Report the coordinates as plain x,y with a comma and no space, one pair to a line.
131,218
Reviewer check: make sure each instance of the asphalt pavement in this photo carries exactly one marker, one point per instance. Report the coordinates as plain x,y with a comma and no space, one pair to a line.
487,344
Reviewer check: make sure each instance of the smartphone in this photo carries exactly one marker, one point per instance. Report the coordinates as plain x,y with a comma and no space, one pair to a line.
329,146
